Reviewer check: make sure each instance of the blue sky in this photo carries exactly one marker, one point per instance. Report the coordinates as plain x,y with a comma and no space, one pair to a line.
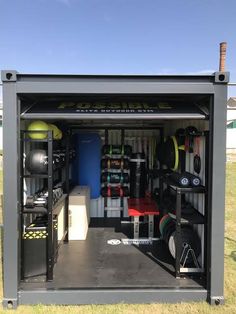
116,36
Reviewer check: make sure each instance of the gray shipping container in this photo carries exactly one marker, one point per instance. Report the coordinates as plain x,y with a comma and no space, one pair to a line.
135,110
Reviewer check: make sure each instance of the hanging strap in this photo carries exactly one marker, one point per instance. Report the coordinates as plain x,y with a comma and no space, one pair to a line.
186,144
197,141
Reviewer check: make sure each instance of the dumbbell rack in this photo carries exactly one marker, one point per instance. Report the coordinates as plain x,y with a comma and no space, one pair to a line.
50,209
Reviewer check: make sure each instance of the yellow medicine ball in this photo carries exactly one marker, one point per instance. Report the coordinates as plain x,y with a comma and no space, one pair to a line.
55,130
38,126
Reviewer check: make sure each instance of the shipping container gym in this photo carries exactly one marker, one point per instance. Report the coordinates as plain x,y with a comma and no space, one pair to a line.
113,188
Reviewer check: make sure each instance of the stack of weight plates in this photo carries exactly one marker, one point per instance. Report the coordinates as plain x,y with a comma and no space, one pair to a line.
189,236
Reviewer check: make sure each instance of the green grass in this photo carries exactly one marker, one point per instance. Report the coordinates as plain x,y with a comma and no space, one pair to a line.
200,307
0,195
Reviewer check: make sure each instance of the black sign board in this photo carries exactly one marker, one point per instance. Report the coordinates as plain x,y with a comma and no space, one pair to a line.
68,107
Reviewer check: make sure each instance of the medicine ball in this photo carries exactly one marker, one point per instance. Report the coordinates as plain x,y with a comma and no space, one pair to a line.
38,126
59,135
56,132
36,161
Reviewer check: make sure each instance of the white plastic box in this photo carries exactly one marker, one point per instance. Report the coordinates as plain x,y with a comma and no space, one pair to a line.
79,213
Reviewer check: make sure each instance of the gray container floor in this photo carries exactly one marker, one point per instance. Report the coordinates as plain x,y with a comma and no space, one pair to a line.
96,264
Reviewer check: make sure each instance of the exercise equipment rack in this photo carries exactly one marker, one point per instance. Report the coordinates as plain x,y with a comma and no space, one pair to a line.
182,219
50,209
121,171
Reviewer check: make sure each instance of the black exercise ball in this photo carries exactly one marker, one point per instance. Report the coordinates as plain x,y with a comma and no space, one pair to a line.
36,161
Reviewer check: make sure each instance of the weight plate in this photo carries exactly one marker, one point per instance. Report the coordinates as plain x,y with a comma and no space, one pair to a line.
171,153
176,152
189,236
171,244
161,224
169,230
165,223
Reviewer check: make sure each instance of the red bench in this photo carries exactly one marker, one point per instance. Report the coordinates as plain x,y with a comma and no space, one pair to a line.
142,207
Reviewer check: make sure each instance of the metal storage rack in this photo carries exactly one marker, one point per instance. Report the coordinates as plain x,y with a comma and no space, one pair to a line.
196,218
50,209
121,208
